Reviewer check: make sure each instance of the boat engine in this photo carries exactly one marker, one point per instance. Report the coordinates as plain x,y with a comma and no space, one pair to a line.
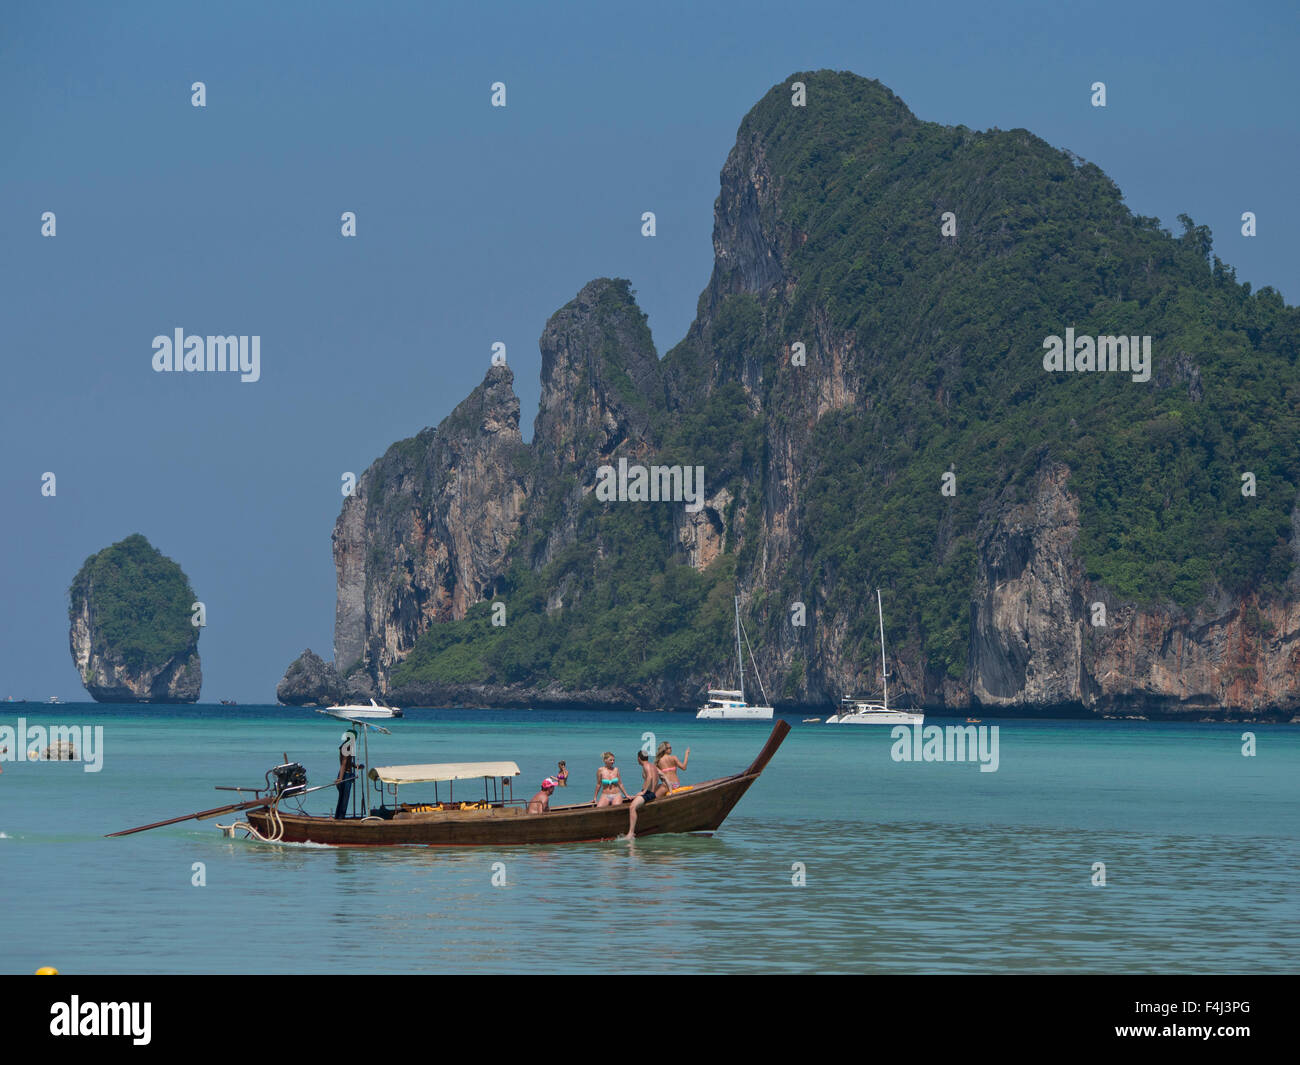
290,779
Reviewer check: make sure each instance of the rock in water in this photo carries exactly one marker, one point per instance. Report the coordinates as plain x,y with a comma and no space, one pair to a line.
310,679
132,636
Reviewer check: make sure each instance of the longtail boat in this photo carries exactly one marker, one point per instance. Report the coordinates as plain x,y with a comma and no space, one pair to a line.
498,819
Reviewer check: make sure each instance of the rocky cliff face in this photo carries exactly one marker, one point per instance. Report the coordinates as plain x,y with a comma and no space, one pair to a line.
602,391
1043,634
437,523
601,382
110,679
426,531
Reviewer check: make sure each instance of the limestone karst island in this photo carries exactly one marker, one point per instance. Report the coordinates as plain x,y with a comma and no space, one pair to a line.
866,391
132,633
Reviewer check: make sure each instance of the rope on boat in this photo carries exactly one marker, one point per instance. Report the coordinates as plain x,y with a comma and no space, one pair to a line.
276,823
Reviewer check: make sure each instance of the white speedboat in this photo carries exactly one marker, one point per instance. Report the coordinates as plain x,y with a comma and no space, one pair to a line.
374,710
726,704
861,712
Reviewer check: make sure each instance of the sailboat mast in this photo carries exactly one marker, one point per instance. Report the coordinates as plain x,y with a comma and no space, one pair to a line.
884,672
740,659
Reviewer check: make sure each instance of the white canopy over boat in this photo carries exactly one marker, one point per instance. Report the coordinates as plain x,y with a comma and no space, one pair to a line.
437,773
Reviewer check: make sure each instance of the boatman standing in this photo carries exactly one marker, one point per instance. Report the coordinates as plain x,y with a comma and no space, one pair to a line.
347,772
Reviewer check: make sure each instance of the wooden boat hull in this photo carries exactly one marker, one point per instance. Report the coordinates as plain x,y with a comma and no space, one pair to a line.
701,808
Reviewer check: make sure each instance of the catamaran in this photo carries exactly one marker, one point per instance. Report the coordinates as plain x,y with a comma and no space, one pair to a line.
854,711
728,704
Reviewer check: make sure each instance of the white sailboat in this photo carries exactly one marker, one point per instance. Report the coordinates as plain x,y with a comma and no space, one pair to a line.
862,712
726,704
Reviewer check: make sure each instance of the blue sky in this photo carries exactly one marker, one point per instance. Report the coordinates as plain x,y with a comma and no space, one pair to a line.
474,225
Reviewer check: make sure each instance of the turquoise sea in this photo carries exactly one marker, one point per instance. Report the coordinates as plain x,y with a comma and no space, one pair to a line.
909,866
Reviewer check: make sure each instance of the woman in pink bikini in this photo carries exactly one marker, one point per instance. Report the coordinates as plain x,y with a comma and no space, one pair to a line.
668,765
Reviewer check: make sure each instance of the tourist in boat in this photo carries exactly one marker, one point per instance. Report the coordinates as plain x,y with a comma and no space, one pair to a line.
669,765
609,790
649,782
562,774
541,802
347,772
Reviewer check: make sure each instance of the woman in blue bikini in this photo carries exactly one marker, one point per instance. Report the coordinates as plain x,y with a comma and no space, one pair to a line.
609,790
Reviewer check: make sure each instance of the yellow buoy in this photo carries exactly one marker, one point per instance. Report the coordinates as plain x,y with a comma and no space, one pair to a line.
47,970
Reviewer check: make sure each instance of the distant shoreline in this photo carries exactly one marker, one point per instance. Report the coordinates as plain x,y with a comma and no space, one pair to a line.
1068,712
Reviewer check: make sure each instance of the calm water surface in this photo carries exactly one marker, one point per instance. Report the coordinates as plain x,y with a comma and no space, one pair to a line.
910,867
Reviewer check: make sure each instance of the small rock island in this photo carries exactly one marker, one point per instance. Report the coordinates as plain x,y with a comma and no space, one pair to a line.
132,636
310,681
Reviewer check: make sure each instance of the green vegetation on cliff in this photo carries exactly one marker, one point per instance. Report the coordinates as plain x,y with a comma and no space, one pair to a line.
946,340
140,603
631,619
952,331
